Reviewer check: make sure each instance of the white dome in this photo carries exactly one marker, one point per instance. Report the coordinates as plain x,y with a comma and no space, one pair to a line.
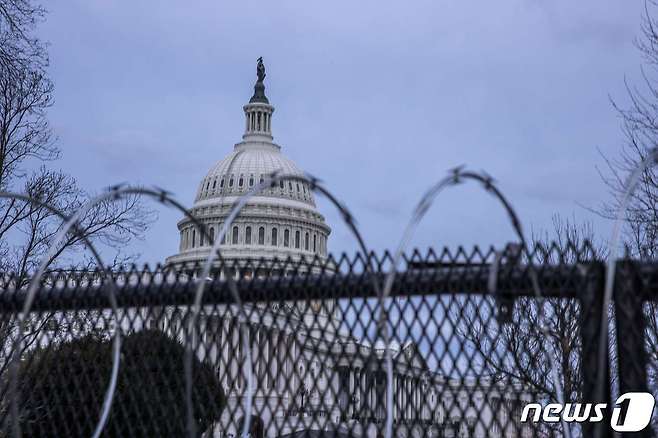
279,223
243,168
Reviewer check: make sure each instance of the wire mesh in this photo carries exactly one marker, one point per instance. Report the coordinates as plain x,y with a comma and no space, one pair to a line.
465,360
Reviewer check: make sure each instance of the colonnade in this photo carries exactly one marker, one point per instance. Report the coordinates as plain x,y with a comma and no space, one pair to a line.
367,396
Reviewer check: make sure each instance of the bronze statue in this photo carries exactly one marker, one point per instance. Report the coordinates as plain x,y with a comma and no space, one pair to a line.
260,70
259,88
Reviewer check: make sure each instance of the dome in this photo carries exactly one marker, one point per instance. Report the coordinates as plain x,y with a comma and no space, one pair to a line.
279,223
245,167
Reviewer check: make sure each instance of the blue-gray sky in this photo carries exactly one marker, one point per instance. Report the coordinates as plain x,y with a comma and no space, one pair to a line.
377,98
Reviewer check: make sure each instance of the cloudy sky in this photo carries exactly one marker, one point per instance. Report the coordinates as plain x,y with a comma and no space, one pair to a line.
379,99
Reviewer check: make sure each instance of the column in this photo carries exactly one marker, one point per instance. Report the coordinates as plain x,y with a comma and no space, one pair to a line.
267,361
274,358
364,393
372,392
355,391
417,388
398,397
239,356
224,353
395,397
235,347
410,401
361,393
405,397
281,355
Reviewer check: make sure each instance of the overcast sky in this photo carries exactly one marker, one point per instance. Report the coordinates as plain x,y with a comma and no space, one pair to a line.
379,99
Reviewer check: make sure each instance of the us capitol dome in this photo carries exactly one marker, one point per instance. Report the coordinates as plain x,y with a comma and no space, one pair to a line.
279,223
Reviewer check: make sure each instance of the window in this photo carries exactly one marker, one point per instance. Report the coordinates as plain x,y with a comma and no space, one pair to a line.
193,238
201,237
235,235
214,184
212,236
251,181
286,238
261,236
262,180
290,185
314,242
297,187
207,185
281,183
221,184
274,237
241,182
230,182
306,242
223,242
297,239
247,236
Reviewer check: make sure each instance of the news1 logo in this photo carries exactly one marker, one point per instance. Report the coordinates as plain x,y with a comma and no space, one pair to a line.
631,413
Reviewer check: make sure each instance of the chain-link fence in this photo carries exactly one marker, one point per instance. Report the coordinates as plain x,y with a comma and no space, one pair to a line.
462,344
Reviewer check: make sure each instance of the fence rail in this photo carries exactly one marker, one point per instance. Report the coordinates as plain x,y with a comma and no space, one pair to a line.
465,354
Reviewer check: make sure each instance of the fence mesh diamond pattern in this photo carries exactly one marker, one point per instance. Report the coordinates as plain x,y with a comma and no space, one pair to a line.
459,347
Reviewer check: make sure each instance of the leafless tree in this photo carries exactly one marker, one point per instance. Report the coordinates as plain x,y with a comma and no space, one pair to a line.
639,118
28,150
517,351
19,47
27,230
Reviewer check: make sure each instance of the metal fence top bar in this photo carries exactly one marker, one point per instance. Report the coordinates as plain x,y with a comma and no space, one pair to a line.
160,289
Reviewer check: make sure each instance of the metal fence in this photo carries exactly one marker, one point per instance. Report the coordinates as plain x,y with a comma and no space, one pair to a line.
462,344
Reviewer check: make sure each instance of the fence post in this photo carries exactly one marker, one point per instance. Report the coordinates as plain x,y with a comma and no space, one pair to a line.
630,323
591,302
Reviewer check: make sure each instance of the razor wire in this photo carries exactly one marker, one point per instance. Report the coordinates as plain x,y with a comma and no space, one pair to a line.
114,193
455,177
630,185
34,282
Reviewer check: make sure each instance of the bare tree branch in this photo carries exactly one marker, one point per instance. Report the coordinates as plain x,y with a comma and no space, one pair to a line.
27,147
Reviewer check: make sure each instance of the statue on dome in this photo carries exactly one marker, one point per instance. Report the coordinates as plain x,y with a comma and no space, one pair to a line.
259,88
260,70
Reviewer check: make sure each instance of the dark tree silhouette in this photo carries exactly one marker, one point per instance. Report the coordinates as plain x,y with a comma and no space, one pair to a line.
62,389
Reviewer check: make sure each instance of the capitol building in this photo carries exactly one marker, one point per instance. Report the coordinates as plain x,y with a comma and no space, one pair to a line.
312,376
280,223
